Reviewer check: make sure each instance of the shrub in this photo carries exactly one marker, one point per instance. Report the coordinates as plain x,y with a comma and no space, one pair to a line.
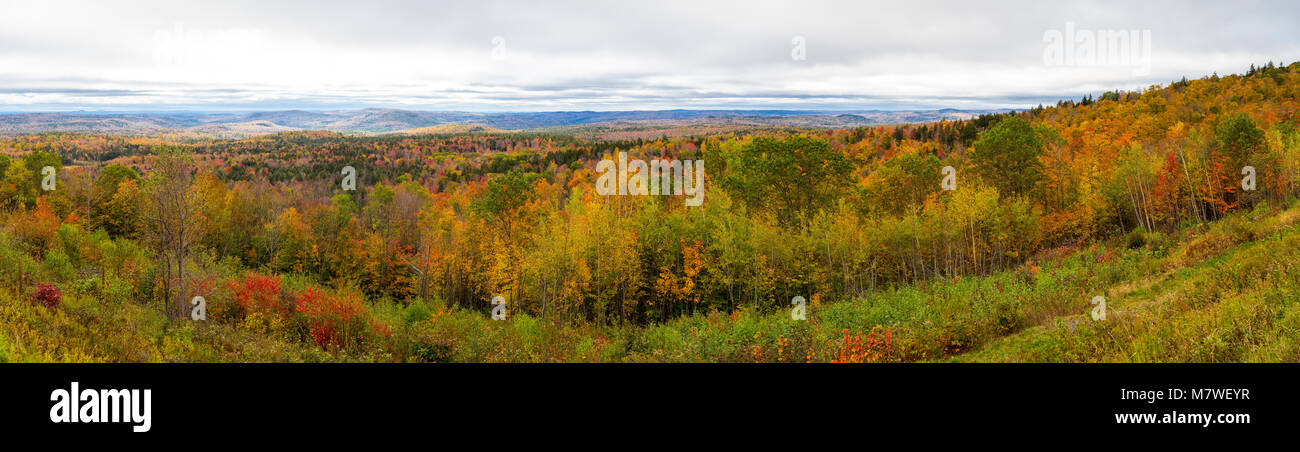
1135,239
257,293
877,347
48,295
433,352
1158,242
417,312
336,320
59,265
262,322
15,265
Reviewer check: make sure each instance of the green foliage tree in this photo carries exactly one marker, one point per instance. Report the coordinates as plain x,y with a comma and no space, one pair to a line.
506,195
1238,138
172,215
903,181
117,215
112,176
120,215
791,178
36,163
16,188
1006,155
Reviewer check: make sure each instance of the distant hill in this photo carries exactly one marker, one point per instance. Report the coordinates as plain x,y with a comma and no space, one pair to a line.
448,129
240,129
12,124
382,120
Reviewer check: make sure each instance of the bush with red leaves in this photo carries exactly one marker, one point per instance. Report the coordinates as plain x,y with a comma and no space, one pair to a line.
334,319
48,295
877,347
258,293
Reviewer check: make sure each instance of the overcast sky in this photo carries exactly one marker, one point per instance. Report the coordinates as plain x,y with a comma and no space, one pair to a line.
612,55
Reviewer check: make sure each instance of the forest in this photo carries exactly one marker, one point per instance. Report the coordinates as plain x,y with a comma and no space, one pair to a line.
1175,204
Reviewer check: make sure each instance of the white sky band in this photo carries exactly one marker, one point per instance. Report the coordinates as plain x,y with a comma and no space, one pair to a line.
566,55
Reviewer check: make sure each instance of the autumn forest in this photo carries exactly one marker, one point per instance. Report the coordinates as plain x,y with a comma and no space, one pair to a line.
1152,225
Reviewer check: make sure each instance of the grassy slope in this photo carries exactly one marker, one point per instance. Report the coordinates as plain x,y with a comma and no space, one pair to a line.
1230,295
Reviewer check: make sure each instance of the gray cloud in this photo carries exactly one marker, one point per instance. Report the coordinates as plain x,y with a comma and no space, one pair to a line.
568,55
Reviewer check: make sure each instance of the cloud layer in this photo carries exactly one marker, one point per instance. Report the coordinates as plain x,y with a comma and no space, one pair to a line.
547,56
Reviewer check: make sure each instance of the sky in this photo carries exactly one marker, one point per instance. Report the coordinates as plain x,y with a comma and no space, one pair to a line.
497,56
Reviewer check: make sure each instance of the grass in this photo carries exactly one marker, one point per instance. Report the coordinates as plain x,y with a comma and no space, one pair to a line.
1237,303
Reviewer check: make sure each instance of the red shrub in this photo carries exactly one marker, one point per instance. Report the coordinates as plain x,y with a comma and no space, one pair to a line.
257,293
877,347
333,320
48,295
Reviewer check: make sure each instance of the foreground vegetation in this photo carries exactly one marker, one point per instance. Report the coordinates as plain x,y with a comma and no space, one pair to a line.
1225,293
1232,295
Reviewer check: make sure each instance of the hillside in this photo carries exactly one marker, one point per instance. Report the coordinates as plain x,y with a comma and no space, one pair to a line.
1227,295
1224,294
449,129
1176,204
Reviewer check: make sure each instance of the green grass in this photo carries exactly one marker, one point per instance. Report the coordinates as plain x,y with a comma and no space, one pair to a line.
1239,305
